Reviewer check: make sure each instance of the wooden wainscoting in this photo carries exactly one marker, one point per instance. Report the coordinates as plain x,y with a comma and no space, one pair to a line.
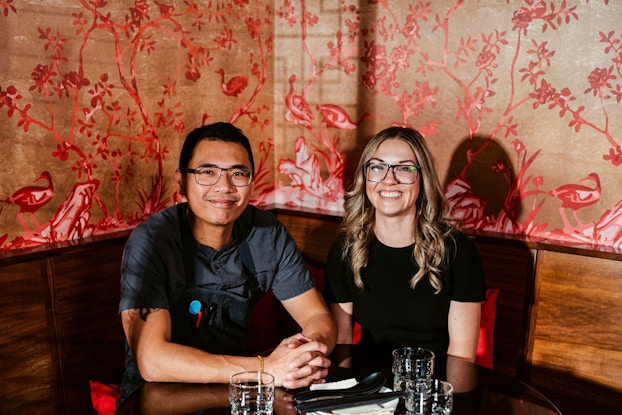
557,323
575,341
89,333
313,231
508,266
28,360
60,328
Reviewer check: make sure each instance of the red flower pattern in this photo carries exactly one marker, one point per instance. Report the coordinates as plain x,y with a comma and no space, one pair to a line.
386,46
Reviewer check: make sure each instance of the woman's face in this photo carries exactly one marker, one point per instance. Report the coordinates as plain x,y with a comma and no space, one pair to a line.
390,198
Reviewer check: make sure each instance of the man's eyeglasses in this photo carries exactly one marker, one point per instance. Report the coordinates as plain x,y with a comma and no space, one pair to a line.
403,173
209,175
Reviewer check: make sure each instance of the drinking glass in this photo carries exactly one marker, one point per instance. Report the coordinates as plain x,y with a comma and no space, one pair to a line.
251,393
417,397
440,399
433,399
410,364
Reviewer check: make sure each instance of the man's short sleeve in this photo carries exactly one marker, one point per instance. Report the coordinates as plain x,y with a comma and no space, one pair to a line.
143,271
280,264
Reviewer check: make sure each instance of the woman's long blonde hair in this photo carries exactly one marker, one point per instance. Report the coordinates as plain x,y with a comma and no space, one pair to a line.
431,224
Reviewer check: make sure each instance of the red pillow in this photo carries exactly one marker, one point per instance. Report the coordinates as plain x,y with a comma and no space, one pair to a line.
104,397
487,329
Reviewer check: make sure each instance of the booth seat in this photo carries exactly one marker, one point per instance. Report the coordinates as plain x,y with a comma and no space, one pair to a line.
270,323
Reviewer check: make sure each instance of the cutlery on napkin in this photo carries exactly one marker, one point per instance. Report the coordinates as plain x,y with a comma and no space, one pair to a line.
348,387
346,402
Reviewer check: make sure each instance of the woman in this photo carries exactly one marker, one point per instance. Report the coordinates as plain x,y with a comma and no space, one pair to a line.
400,268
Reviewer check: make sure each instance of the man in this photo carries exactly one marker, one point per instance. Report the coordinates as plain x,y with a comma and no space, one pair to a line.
192,273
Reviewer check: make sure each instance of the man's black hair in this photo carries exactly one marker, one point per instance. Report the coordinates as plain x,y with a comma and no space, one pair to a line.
222,131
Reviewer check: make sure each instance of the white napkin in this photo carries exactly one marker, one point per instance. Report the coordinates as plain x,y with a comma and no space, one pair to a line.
340,384
385,408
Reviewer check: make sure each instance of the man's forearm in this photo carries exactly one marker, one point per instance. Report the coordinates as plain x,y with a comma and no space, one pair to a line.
322,328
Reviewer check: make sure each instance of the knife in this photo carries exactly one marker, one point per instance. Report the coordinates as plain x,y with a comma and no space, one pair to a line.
346,402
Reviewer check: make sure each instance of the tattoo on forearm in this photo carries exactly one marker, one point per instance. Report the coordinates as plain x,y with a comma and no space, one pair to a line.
144,312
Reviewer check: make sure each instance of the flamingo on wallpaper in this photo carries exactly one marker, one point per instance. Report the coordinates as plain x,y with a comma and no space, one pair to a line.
31,198
234,86
576,196
298,110
336,117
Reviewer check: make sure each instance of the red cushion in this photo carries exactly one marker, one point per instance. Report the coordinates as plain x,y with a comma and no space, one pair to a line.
356,336
318,275
487,329
270,323
264,332
104,397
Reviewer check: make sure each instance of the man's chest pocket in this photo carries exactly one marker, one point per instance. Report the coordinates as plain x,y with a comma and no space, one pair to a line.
213,320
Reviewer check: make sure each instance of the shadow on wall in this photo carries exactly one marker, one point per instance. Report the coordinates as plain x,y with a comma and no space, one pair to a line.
479,180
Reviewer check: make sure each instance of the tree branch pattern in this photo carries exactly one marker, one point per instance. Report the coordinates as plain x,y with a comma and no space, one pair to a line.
112,130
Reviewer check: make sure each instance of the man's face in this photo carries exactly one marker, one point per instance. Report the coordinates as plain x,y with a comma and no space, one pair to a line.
222,203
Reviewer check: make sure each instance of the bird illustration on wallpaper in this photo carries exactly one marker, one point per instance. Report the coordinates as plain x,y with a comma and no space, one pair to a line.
576,196
71,219
298,111
307,187
336,117
31,198
234,86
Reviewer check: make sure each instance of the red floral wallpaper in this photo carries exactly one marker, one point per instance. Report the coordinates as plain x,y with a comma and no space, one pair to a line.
518,101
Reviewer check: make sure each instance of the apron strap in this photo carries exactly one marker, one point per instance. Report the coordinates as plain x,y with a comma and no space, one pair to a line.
247,258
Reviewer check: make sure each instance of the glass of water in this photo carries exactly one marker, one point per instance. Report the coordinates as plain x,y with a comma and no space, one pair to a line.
440,399
410,364
433,398
251,393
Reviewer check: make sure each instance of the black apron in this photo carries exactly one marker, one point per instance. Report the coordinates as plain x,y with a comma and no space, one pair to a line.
221,326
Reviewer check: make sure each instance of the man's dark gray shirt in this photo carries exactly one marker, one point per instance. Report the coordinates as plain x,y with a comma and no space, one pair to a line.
164,267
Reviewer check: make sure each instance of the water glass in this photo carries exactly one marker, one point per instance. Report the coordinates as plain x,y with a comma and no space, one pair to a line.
429,398
409,364
417,397
251,393
440,399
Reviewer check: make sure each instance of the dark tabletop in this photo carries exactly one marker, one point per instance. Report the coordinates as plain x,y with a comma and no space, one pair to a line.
477,390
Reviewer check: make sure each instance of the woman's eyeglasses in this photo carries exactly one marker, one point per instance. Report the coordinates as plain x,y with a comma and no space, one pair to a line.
403,173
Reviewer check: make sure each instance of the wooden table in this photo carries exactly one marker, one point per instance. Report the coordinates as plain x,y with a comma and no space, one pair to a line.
477,390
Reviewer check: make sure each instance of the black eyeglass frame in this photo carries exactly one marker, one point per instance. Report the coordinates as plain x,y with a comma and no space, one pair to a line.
221,169
390,167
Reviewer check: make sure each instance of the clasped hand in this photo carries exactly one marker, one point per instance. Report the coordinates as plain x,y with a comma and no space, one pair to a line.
297,362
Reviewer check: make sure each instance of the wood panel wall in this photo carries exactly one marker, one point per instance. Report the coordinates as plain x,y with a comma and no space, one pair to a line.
89,334
508,266
575,341
28,361
60,328
557,326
